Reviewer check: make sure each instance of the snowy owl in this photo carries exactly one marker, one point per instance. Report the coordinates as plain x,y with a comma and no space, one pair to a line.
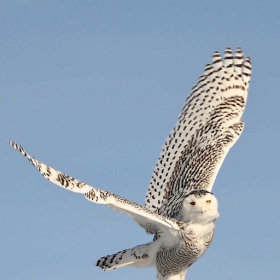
180,210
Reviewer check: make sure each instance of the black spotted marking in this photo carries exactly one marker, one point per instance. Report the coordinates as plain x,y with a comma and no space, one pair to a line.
202,117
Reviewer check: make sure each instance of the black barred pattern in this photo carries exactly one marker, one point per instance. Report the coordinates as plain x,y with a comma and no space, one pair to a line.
168,260
107,261
134,255
208,126
147,219
174,260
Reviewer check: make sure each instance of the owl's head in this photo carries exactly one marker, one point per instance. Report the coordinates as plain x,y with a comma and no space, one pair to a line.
199,206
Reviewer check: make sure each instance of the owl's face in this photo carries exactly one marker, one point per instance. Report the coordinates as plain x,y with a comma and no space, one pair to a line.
199,206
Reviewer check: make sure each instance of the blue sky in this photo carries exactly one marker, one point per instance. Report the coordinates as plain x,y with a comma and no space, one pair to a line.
93,88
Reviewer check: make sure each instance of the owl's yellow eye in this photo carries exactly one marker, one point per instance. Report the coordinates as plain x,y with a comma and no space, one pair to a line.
192,203
208,201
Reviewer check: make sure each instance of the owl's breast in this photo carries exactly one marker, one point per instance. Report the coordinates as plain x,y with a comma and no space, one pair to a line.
195,240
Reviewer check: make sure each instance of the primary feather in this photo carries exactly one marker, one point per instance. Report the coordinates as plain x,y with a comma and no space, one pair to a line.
147,219
208,126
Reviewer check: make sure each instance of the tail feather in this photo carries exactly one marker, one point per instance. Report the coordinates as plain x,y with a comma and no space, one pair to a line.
139,256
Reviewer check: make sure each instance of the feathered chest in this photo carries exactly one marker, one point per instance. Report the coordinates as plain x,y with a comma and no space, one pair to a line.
194,241
197,238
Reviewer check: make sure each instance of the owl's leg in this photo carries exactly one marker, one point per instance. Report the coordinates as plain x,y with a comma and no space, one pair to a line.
180,276
183,275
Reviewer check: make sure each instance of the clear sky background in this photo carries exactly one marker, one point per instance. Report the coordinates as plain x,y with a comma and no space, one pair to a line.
93,88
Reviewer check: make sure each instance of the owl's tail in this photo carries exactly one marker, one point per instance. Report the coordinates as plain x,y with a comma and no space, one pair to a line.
139,256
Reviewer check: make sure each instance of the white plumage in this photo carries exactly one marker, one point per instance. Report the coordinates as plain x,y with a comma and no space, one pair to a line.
180,210
208,126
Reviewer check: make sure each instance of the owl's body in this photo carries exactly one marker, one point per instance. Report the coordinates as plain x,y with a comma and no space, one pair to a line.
173,256
193,240
192,243
180,210
170,257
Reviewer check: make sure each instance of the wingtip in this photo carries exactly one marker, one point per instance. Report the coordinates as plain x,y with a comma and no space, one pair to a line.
13,144
18,148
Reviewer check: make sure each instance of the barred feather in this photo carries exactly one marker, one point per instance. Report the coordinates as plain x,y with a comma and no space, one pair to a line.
208,126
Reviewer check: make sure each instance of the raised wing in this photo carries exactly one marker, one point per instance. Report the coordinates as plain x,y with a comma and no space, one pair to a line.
152,222
208,126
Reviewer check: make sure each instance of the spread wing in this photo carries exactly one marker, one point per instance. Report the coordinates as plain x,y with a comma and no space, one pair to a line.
152,222
208,126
